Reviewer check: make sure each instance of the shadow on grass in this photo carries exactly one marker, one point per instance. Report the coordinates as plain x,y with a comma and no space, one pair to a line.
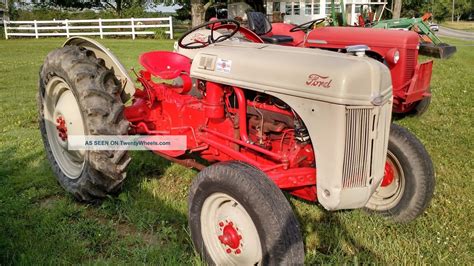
328,240
42,224
146,223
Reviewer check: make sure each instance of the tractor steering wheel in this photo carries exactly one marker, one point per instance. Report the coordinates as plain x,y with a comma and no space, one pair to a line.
307,25
204,41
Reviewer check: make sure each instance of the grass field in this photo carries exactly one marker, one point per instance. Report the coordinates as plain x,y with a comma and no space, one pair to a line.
146,223
461,25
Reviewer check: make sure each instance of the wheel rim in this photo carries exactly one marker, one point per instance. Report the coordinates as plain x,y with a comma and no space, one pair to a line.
63,118
390,192
228,232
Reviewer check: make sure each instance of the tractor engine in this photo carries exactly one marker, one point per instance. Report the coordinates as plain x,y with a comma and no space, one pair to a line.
270,136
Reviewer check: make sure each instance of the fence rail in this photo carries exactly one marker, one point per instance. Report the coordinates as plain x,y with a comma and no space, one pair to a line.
88,27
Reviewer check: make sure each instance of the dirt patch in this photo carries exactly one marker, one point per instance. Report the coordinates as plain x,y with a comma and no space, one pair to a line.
49,202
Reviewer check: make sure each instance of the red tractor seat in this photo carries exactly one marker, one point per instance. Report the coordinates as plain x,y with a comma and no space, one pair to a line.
166,65
259,23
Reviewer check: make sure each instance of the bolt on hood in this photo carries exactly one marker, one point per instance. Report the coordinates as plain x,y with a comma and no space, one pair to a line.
308,73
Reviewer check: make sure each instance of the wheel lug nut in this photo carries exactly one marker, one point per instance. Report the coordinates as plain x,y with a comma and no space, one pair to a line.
237,251
228,250
221,224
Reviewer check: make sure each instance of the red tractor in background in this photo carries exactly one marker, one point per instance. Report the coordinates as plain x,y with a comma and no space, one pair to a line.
398,50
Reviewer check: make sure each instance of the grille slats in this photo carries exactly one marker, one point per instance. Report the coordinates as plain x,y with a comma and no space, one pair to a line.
410,64
357,150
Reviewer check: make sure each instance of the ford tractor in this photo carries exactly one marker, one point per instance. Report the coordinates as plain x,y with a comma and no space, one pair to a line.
259,121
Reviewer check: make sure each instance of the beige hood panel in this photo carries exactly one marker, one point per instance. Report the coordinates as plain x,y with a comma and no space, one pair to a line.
308,73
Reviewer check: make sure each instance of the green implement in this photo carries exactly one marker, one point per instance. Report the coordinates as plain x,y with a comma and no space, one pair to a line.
430,44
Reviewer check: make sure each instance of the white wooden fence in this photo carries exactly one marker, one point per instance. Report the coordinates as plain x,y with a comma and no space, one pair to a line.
88,27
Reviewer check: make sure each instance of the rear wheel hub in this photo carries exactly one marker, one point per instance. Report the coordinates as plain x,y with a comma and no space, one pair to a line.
62,128
63,118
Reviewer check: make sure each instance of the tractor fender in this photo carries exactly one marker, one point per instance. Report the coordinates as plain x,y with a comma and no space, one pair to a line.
110,61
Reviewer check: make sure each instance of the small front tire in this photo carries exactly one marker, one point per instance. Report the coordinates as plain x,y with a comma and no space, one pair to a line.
238,216
409,181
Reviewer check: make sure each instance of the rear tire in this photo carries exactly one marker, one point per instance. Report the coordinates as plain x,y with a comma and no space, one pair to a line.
77,89
409,193
238,216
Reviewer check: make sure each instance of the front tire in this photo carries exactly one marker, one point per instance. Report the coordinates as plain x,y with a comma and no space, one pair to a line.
78,95
238,216
409,181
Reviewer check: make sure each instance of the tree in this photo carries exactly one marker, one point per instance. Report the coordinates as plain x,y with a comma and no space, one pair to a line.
198,11
443,9
119,5
397,8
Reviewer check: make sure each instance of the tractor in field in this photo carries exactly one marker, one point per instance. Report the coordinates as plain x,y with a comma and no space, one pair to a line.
398,50
319,129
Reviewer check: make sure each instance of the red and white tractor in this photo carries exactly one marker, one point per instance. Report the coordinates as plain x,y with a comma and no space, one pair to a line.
319,128
398,50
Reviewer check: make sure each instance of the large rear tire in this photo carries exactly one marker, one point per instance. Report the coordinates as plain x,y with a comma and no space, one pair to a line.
238,216
409,181
78,95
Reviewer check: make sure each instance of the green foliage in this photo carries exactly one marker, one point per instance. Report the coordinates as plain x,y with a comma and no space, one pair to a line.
160,33
441,9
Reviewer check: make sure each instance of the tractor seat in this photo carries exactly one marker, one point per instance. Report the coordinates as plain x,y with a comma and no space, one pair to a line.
276,39
259,23
166,65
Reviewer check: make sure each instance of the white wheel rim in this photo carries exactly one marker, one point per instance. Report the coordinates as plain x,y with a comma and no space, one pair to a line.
61,105
223,216
387,197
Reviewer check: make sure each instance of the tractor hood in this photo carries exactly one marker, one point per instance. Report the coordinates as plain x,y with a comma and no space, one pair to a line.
344,36
307,73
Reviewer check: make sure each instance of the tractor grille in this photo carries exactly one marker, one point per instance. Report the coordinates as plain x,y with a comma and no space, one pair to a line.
410,64
360,124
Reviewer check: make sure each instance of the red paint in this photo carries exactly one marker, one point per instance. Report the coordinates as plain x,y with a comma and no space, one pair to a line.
62,128
389,175
214,101
230,237
217,130
242,113
248,34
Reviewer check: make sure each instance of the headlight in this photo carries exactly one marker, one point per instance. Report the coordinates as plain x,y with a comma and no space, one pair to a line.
396,57
392,56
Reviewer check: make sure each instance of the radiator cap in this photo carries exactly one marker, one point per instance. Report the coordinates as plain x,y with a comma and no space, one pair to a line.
358,50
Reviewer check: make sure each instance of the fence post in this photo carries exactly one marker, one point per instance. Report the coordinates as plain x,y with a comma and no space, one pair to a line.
36,29
67,27
171,27
132,20
5,27
100,29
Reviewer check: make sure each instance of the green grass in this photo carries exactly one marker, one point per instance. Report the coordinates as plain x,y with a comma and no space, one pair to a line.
461,25
146,223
